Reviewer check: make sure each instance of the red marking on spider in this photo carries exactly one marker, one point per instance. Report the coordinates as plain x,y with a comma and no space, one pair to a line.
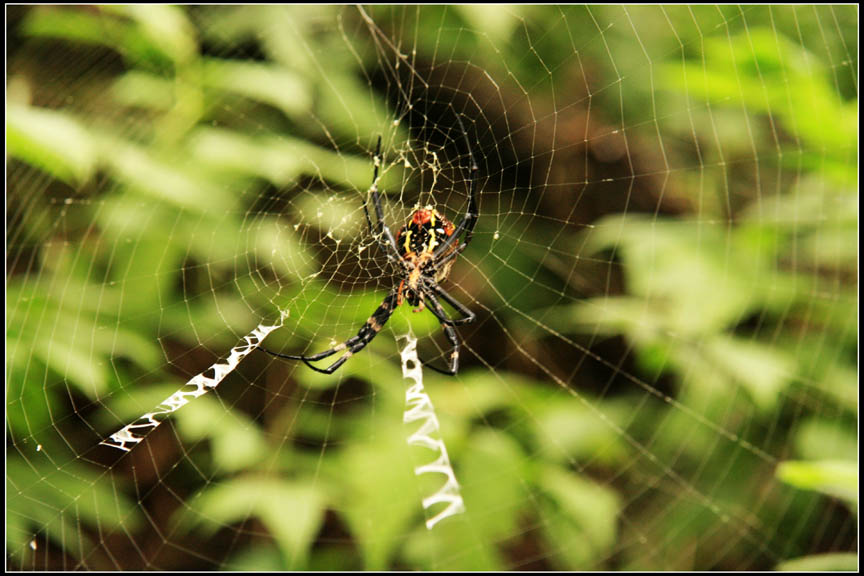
420,217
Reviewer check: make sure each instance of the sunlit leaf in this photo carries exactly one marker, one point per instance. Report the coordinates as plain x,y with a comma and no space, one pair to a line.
582,523
377,498
569,430
237,441
821,563
838,478
76,365
497,22
137,88
99,27
62,505
52,141
159,179
492,477
167,27
763,71
280,159
291,511
822,438
763,371
266,83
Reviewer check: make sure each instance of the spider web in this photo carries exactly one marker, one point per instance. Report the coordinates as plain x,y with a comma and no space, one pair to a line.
662,374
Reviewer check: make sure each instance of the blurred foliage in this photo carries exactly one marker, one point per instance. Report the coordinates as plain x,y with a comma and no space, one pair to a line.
132,251
822,563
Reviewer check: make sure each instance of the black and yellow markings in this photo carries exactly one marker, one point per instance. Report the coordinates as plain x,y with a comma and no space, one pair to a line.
381,315
420,235
433,237
433,242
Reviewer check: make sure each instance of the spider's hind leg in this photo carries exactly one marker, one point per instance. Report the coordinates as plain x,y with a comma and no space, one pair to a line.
453,369
467,315
354,344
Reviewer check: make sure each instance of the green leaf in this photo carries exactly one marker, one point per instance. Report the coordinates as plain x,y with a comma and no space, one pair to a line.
82,26
52,141
611,315
838,478
237,441
162,178
277,244
763,371
492,474
568,430
292,511
265,83
581,521
762,71
821,563
495,22
28,407
137,88
259,557
81,367
340,218
344,106
378,494
63,504
97,27
834,439
683,270
452,546
166,27
281,159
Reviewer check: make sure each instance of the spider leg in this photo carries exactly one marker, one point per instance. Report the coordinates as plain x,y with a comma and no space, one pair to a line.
377,163
435,306
450,332
468,221
447,326
383,235
433,267
468,315
354,344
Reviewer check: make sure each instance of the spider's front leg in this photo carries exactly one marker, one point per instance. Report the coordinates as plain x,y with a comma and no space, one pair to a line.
383,235
472,213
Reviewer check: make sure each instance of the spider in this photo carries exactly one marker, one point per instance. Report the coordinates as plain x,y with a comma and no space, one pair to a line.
424,250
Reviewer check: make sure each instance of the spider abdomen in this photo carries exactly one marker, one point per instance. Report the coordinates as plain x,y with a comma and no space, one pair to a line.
426,230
